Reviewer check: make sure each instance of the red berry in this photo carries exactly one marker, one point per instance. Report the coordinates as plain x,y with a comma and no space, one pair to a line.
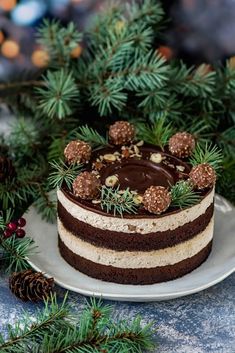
21,222
12,226
7,233
20,233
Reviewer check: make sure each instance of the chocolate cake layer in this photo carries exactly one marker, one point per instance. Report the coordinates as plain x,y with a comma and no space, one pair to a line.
134,276
121,241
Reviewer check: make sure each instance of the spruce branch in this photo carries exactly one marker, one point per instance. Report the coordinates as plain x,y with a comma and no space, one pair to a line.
55,330
27,332
60,96
117,202
46,205
59,41
16,252
209,154
63,174
157,133
183,195
88,134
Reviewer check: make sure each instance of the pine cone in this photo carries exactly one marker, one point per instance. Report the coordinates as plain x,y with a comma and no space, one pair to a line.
30,285
7,170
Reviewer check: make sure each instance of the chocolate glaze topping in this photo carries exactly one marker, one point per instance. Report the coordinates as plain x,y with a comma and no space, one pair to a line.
137,172
140,173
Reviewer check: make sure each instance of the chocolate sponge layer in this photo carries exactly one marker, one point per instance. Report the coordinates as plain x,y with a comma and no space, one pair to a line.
120,241
134,276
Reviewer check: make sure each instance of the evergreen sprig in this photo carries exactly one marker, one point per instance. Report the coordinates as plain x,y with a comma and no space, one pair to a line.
56,330
183,195
88,134
117,202
63,173
157,133
26,334
208,154
60,96
59,41
15,252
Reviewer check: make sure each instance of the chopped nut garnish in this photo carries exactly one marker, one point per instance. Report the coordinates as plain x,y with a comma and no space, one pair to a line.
96,201
98,165
156,157
109,157
136,149
125,153
138,199
180,168
111,180
140,143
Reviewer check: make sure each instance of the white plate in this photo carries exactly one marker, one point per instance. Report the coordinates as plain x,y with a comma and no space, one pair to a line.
220,264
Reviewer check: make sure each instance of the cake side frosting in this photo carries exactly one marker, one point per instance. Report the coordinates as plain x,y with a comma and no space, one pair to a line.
137,259
141,225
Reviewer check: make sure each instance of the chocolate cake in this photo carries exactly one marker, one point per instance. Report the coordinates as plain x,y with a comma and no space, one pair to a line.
123,220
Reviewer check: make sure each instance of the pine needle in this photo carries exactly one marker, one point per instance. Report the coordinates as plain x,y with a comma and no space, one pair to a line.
91,136
56,330
209,154
60,95
183,195
113,201
63,174
157,134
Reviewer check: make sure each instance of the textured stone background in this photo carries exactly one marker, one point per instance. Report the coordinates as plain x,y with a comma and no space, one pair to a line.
200,323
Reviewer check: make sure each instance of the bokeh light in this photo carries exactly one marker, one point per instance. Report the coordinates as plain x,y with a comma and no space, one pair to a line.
28,12
10,49
7,5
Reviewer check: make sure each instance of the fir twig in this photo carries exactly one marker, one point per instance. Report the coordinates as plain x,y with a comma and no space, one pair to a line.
63,174
56,331
156,134
60,96
88,134
28,333
117,202
16,252
209,154
183,195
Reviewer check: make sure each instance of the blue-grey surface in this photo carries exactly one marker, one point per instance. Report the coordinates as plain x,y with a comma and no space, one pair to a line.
200,323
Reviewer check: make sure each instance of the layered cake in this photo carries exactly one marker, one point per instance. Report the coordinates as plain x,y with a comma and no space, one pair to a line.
136,213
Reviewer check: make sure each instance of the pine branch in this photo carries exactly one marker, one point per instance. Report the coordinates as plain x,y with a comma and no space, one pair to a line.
59,42
16,252
117,202
210,154
46,205
88,134
60,96
157,134
26,331
63,174
183,195
56,331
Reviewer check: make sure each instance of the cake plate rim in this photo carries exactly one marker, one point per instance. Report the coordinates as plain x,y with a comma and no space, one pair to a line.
65,274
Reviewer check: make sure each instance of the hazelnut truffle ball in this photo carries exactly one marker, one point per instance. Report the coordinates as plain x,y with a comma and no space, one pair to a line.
156,199
202,176
121,133
77,152
86,186
182,144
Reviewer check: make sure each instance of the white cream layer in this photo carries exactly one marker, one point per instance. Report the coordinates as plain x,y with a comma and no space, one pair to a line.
136,225
137,259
